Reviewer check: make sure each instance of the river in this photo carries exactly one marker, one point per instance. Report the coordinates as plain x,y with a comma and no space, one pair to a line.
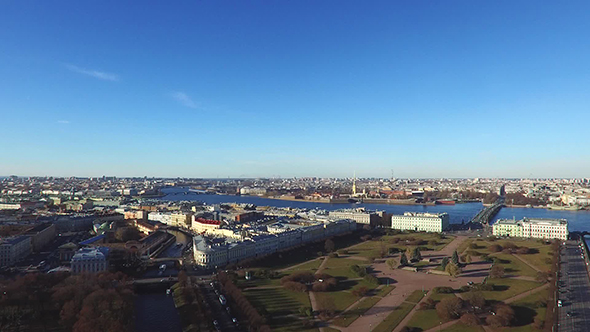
578,220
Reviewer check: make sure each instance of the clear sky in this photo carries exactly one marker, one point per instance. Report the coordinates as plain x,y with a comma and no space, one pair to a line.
295,88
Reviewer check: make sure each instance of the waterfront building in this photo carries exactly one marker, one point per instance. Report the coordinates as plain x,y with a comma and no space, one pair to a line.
507,227
359,215
90,260
136,214
207,254
181,219
420,222
145,227
252,191
14,249
163,217
532,228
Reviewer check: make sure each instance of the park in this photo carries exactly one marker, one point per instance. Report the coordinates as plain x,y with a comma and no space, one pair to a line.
386,280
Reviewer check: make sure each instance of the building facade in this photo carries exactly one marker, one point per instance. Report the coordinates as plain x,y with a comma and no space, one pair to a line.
360,216
420,222
280,236
14,250
532,228
90,260
41,235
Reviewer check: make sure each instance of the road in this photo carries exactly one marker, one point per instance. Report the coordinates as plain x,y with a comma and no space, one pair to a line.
219,311
574,290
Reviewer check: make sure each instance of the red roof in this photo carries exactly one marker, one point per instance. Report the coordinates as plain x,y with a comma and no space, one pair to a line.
206,221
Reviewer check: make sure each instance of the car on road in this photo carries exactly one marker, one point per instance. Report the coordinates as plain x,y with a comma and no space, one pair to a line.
559,303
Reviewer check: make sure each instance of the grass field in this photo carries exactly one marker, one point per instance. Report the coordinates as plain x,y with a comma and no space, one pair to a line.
351,315
289,324
310,266
514,266
394,318
463,328
385,290
277,301
340,267
329,329
373,247
415,297
341,300
508,288
427,319
526,310
540,260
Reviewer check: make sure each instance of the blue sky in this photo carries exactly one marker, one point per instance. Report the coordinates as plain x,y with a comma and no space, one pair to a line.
295,88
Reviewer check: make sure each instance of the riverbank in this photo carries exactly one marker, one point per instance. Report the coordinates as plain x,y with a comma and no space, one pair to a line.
346,201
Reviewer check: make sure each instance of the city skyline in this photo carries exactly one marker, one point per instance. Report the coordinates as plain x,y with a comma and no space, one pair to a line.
305,89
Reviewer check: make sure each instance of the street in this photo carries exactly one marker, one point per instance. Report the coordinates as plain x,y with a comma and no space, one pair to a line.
574,290
219,311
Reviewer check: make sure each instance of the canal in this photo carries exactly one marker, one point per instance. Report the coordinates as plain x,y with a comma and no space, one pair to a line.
155,312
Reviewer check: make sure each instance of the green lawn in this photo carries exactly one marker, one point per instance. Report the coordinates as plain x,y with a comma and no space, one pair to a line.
373,247
385,290
538,260
329,329
464,246
278,301
394,318
427,319
508,288
351,315
310,266
514,266
415,297
526,310
289,324
340,267
463,328
341,300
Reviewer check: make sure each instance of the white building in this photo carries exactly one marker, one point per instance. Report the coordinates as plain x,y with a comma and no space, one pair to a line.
90,260
358,215
201,225
13,250
280,236
532,228
163,217
252,191
420,222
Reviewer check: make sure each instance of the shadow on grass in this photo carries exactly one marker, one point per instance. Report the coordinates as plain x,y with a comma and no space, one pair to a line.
523,315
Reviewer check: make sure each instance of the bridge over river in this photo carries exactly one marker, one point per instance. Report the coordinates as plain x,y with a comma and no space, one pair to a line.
487,213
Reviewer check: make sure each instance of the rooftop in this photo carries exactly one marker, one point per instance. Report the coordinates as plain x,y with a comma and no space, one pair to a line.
207,221
425,214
